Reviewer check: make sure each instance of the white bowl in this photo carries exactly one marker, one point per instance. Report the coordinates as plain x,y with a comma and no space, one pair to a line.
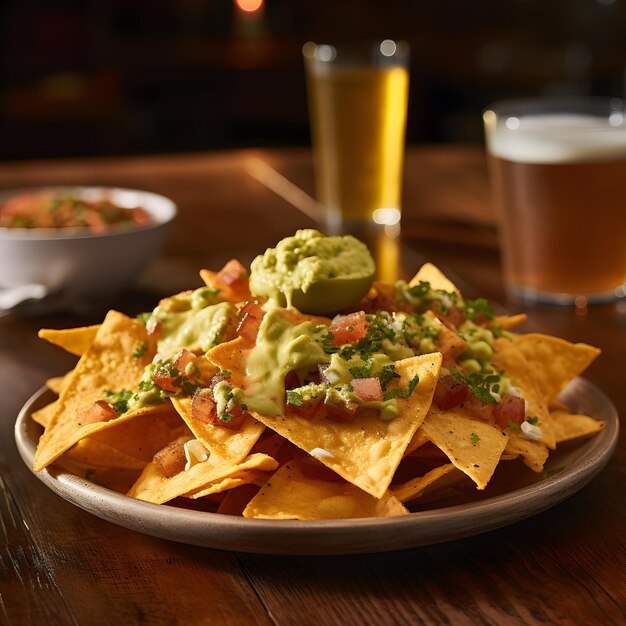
77,269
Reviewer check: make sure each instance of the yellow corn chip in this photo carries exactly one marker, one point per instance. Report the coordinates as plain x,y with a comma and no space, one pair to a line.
569,426
107,365
429,273
57,383
413,489
153,486
94,454
289,494
473,446
246,477
509,321
73,340
231,445
533,453
508,357
144,435
44,415
554,362
367,451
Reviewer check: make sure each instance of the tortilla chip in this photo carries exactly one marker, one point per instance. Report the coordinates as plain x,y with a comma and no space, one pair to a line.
554,362
507,322
73,340
153,486
367,451
429,273
44,415
246,477
533,453
107,365
56,384
508,357
236,294
231,445
144,435
413,489
473,446
289,494
95,454
568,426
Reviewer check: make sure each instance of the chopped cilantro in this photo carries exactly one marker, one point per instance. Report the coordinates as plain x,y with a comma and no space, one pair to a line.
141,348
119,400
474,438
479,385
293,397
420,290
362,371
398,393
387,373
226,373
513,425
533,419
330,349
475,308
497,331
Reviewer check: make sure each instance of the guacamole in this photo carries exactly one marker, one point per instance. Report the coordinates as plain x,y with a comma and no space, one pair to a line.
313,272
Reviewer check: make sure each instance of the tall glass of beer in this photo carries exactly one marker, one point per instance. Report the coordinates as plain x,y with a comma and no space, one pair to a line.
357,103
558,174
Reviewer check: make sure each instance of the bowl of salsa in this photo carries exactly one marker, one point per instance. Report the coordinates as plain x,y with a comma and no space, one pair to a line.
77,246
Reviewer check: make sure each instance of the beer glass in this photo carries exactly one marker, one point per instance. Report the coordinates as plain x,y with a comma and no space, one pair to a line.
357,104
558,176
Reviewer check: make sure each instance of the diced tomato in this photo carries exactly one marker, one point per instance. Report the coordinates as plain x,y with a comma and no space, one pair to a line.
232,272
510,409
450,393
367,389
479,409
183,359
237,418
233,282
164,380
217,379
315,470
203,410
171,459
99,411
349,328
251,316
310,408
203,406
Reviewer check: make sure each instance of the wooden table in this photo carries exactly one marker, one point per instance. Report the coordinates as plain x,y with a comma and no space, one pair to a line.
60,565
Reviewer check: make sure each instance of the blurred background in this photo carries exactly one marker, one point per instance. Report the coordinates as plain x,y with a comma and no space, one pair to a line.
104,77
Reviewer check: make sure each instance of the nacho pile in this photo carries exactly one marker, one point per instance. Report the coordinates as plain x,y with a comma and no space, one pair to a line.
227,402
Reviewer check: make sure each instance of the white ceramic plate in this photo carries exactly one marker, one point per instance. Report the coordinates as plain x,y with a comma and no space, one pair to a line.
528,495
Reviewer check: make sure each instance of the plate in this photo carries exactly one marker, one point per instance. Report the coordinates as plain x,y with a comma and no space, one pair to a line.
581,460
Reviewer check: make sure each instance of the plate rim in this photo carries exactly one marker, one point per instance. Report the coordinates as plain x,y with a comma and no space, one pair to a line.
237,534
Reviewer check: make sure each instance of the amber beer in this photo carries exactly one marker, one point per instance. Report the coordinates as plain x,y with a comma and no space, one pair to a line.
560,184
358,119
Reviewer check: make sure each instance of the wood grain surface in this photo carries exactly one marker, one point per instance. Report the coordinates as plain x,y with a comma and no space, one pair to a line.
60,565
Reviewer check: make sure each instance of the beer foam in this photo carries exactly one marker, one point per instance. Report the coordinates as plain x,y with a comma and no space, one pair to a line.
558,138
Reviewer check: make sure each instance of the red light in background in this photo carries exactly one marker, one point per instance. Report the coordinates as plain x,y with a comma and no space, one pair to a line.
249,6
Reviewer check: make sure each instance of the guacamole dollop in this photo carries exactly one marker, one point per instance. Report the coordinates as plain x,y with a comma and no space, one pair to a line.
314,272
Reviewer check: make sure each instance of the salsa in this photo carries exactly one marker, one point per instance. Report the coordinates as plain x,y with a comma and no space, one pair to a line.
45,209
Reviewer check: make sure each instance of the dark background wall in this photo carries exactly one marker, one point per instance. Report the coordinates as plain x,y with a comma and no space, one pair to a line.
100,77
